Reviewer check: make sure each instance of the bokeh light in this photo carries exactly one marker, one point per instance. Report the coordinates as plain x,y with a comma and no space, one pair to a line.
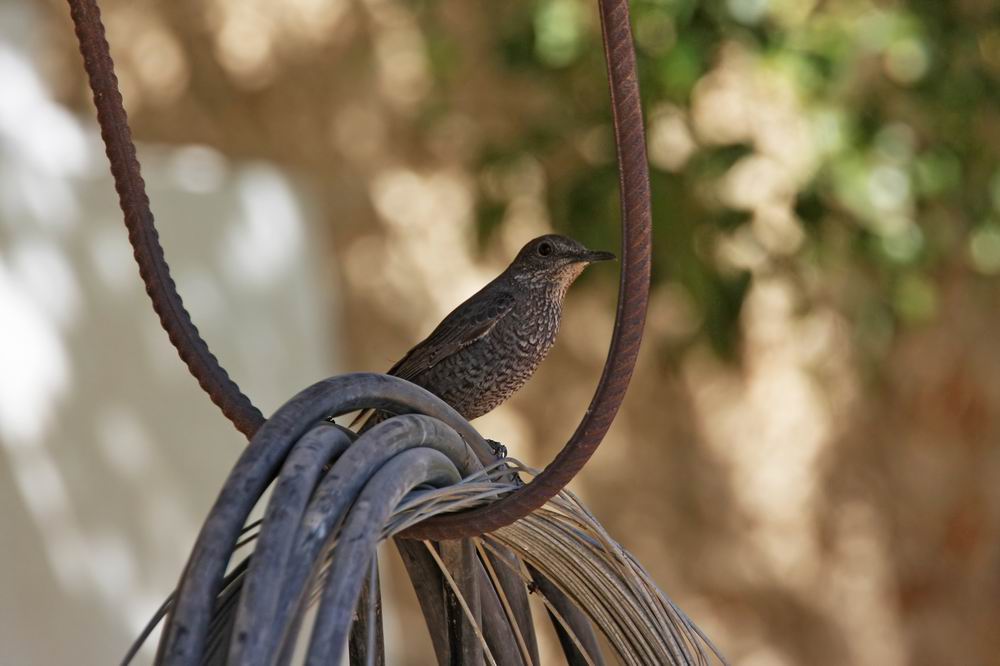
808,457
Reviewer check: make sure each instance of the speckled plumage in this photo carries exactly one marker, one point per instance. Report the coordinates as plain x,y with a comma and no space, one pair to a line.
490,345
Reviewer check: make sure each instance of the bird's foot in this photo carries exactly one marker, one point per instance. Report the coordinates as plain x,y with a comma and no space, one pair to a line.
499,450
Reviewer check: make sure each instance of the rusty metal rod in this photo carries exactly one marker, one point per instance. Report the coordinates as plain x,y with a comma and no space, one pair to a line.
142,231
632,294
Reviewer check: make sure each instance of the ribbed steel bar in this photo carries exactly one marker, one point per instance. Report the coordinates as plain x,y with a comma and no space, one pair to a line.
632,295
142,233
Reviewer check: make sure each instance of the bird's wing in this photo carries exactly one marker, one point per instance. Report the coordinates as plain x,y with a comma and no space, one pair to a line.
458,330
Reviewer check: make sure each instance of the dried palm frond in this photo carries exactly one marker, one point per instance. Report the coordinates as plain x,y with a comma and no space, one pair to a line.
561,543
565,543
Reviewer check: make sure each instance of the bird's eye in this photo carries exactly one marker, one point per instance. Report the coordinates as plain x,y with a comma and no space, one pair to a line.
545,249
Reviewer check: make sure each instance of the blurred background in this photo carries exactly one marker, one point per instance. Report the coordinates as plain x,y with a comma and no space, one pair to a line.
808,460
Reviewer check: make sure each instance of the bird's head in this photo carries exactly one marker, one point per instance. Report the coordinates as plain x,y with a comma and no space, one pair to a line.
554,259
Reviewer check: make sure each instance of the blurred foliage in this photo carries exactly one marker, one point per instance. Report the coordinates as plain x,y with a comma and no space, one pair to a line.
849,144
901,103
826,201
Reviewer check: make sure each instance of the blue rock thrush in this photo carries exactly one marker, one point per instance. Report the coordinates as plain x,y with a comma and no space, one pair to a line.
490,345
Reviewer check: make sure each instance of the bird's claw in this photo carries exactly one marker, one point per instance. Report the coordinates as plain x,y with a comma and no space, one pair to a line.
499,450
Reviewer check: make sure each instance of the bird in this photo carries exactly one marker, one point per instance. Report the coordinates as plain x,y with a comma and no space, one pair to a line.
488,347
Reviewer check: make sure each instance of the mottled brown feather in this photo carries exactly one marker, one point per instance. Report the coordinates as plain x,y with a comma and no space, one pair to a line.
456,332
490,345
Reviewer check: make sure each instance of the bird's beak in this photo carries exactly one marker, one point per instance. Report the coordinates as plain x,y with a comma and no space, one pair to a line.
590,256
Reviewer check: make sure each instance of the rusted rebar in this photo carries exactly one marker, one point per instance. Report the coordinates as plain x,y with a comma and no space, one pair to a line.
142,233
632,295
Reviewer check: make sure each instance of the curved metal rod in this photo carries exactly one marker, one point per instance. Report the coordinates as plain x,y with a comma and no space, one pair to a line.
299,476
183,640
142,231
371,450
360,536
632,295
339,489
